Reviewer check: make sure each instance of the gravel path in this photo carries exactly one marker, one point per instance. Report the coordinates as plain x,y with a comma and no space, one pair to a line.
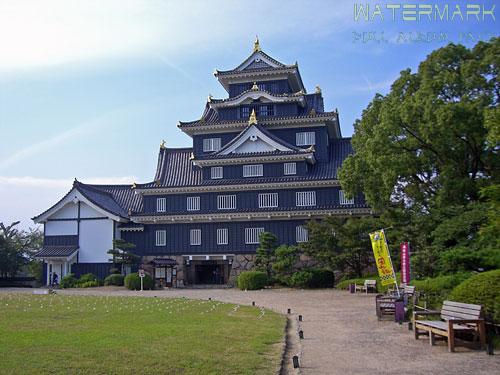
341,333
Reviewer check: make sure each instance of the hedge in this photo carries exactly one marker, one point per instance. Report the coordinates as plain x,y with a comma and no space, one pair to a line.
481,289
114,279
133,282
312,278
437,289
87,277
68,281
252,280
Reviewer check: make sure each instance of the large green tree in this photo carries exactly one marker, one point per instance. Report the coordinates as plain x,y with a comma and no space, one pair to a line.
342,244
265,253
433,140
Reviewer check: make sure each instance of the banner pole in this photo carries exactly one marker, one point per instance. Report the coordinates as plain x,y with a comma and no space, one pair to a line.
392,266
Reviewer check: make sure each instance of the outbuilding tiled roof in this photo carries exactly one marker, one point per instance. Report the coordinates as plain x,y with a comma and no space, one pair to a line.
117,199
56,251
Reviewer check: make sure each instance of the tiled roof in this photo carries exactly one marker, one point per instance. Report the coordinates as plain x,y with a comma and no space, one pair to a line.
256,67
56,251
175,169
210,115
116,199
287,95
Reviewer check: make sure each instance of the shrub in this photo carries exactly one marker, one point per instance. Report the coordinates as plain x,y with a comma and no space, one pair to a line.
252,280
437,289
312,278
88,284
133,282
87,277
68,281
481,289
114,279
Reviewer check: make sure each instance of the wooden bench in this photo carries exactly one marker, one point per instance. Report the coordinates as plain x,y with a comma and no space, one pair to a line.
455,317
368,284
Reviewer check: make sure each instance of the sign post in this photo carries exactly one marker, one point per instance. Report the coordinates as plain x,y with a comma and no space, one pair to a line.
405,262
383,258
141,275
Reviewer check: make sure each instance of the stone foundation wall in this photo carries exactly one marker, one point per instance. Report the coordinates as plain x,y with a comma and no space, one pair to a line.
242,262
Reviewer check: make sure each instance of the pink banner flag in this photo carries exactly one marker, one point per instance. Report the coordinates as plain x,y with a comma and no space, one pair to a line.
405,262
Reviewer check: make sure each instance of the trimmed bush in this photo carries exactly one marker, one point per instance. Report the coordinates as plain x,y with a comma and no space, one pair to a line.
312,278
114,279
88,284
481,289
437,289
68,281
252,280
87,277
133,282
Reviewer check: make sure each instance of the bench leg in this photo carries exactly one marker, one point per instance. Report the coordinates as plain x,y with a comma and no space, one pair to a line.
415,330
451,337
431,338
482,334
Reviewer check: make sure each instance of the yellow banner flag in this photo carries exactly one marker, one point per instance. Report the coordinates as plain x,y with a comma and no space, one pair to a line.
382,257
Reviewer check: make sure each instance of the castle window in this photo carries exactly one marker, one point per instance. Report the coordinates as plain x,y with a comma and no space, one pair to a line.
226,202
245,112
290,168
253,170
211,144
252,235
266,110
267,200
305,138
193,203
161,237
195,237
305,198
343,200
216,172
301,234
222,236
161,204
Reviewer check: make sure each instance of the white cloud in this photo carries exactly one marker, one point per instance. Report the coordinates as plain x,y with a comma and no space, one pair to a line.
58,183
27,196
51,32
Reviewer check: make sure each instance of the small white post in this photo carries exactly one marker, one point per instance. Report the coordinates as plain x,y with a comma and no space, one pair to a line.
142,284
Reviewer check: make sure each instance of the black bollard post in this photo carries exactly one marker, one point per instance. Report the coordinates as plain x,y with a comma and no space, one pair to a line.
300,318
209,298
301,335
253,303
295,361
289,311
410,326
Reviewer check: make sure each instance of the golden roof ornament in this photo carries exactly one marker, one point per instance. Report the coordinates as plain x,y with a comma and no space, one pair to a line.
255,87
162,144
134,186
256,45
252,120
157,182
313,112
129,212
209,98
318,90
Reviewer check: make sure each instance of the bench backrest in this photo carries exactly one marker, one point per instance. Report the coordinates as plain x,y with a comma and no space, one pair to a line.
370,282
458,310
409,289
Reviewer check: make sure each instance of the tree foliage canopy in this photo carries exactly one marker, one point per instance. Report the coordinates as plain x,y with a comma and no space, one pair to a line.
433,140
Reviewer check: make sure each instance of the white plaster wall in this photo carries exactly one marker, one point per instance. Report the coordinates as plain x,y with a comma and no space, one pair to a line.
96,238
61,228
87,211
254,146
69,210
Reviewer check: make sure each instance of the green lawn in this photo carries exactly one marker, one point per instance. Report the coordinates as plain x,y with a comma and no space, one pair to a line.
134,335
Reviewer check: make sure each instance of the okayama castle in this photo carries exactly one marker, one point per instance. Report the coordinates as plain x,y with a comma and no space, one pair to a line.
263,159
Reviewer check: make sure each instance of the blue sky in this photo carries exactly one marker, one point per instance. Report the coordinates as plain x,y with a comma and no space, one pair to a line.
88,89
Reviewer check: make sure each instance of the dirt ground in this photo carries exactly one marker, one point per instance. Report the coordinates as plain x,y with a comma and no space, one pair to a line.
341,333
